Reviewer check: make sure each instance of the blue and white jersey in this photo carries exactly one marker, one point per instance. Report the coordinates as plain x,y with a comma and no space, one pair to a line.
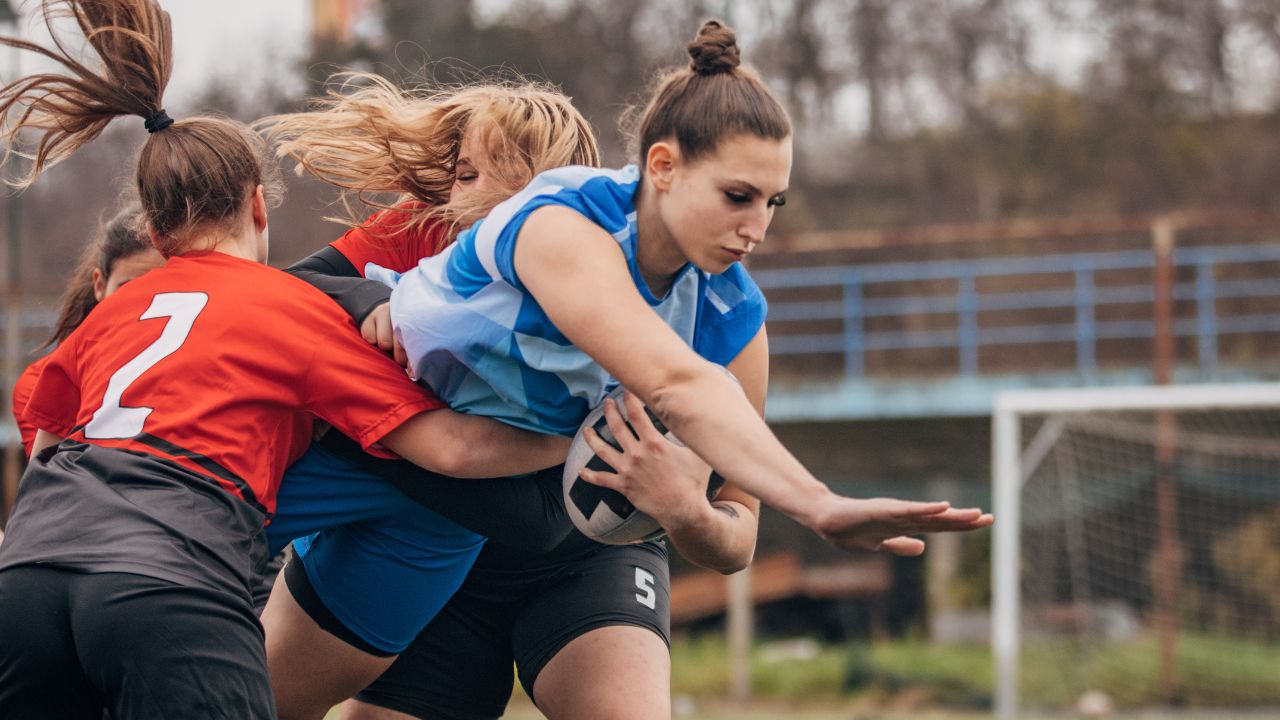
481,341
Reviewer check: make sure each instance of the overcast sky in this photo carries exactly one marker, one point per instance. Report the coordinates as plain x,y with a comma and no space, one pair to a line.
237,40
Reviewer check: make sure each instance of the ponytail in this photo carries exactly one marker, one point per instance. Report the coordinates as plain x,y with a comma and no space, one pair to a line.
189,173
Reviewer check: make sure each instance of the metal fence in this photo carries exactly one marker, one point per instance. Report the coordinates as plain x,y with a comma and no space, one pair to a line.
952,288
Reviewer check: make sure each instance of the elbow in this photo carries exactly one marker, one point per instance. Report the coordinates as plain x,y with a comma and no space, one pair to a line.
734,565
456,459
674,397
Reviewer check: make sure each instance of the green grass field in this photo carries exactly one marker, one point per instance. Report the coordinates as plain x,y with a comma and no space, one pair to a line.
800,680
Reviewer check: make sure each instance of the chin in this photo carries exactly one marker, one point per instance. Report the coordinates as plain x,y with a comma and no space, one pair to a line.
715,266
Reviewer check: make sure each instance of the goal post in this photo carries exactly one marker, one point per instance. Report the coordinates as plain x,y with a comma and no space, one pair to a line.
1030,426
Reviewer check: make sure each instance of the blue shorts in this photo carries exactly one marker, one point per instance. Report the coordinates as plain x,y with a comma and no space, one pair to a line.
380,562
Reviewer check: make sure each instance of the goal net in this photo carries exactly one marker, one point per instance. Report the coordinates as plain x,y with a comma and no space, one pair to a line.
1137,548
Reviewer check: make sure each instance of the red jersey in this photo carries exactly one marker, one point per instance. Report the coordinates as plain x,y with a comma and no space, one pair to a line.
221,365
386,240
21,396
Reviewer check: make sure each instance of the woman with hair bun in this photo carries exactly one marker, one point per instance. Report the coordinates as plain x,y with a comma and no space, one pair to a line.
166,423
584,279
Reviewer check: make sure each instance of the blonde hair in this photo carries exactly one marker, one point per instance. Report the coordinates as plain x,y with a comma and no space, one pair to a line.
371,138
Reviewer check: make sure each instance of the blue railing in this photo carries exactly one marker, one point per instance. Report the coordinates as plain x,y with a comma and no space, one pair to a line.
966,302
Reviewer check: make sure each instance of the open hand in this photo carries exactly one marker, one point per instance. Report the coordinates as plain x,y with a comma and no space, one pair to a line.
885,523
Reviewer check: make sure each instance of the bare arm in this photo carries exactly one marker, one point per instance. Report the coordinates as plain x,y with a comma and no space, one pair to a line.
669,483
44,439
562,258
471,446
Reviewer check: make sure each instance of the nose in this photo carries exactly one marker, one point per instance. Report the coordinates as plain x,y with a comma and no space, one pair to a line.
755,224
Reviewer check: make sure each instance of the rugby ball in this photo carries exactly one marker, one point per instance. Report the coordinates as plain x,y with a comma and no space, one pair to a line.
605,515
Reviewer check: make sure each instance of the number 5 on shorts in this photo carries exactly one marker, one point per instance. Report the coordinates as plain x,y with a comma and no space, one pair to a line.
646,596
113,421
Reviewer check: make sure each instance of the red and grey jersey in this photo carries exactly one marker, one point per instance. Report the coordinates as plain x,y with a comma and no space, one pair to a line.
221,365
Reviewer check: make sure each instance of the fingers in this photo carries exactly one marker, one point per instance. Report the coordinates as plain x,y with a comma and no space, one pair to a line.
386,335
369,330
397,352
904,546
602,449
623,435
599,477
639,419
377,329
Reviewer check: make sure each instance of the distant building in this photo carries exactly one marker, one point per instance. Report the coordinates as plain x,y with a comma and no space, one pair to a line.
343,21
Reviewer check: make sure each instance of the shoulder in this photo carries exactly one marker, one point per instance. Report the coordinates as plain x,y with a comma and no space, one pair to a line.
395,238
563,201
235,285
26,384
606,197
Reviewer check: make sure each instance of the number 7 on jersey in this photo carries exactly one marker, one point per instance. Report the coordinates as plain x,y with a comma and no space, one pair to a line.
112,421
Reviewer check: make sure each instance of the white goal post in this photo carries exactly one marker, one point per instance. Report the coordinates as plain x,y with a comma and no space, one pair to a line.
1015,459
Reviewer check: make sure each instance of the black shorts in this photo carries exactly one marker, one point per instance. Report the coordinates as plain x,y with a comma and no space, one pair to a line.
73,644
459,667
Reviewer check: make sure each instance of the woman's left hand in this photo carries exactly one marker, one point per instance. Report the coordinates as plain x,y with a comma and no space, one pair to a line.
665,481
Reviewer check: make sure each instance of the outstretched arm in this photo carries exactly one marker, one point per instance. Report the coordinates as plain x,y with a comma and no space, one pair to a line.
563,258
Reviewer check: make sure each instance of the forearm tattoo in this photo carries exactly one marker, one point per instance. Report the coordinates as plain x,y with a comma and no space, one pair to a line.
727,510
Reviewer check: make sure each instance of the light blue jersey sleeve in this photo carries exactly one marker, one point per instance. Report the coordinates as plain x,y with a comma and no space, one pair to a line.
732,313
602,196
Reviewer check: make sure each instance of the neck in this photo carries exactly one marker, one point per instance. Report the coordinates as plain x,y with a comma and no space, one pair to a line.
243,243
657,256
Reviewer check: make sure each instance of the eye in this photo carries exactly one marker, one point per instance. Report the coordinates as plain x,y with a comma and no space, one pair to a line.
737,198
466,176
777,201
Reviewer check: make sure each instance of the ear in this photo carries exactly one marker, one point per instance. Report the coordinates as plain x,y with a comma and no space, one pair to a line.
660,164
99,285
259,208
155,238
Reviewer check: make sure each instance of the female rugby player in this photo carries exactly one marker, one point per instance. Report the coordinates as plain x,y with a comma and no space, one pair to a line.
712,175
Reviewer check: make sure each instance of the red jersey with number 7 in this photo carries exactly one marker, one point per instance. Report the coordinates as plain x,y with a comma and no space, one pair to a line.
221,365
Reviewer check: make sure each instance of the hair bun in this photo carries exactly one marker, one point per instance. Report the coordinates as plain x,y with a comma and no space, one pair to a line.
714,50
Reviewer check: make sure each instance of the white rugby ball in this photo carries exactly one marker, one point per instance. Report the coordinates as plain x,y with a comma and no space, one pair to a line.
605,515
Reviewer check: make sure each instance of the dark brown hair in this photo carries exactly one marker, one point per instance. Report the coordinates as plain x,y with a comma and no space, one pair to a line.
198,171
122,237
715,97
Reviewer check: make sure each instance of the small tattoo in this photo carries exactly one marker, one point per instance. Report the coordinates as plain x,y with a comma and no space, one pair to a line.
727,510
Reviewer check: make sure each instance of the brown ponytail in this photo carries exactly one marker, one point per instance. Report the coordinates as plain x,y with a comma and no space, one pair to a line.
715,97
197,171
122,237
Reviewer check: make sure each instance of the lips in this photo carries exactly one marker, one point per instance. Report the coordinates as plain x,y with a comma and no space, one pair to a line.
737,254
